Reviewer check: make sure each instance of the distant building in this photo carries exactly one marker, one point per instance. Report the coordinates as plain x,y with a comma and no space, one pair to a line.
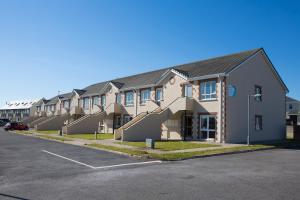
18,110
293,110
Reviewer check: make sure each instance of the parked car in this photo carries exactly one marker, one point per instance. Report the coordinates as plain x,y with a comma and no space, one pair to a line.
2,123
15,126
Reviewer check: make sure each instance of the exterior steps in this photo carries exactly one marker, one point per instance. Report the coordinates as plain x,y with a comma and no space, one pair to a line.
85,124
38,120
149,125
29,119
52,123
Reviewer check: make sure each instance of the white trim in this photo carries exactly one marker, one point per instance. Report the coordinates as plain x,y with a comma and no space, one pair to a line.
102,167
174,71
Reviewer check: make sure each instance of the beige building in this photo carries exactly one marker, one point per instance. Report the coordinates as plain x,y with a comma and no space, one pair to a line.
205,100
293,111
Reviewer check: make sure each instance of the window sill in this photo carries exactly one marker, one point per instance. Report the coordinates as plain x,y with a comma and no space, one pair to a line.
208,100
129,105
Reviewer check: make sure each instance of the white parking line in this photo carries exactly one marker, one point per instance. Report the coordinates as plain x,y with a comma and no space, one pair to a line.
103,167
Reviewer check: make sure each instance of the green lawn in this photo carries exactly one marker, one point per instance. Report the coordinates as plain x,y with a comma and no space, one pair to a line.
186,155
91,136
48,132
171,145
180,156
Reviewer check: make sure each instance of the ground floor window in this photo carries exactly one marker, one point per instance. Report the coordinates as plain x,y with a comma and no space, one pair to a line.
208,126
126,119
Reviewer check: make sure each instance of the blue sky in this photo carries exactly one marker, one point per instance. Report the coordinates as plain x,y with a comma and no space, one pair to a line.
46,46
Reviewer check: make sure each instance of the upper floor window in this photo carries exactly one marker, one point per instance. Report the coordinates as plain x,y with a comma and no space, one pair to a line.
129,98
208,90
258,92
291,106
103,100
158,94
66,104
118,98
85,103
52,108
258,122
145,95
95,100
188,90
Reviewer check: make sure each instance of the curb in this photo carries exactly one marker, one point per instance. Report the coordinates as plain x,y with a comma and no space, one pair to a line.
148,156
222,154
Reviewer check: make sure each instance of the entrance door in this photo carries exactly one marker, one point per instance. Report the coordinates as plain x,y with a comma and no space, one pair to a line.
208,126
187,126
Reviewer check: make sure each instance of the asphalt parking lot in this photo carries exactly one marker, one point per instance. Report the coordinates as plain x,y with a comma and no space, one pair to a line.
32,168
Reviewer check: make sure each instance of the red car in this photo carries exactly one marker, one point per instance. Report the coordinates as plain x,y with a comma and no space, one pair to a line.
15,126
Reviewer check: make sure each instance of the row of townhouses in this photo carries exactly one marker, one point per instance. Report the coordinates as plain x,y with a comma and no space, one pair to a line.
205,100
17,110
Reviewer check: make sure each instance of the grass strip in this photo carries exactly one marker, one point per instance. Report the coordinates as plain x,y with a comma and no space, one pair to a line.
91,136
186,155
181,156
170,145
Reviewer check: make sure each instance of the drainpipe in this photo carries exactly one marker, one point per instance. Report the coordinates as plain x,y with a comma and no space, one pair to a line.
136,102
221,109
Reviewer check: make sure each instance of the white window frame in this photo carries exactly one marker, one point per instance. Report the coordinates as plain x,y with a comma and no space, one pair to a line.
161,94
256,92
95,100
66,103
118,98
85,103
145,95
212,94
127,102
207,129
186,91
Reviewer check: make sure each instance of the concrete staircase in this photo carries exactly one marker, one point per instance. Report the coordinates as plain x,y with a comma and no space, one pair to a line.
149,125
52,123
36,121
29,119
85,124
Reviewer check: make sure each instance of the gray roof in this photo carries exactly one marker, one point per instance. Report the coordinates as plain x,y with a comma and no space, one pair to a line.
52,101
290,99
223,64
79,92
212,66
94,89
65,96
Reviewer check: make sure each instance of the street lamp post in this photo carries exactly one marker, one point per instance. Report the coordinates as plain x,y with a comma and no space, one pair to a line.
248,135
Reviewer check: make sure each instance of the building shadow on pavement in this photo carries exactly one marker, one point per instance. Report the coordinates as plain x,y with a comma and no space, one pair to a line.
12,197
